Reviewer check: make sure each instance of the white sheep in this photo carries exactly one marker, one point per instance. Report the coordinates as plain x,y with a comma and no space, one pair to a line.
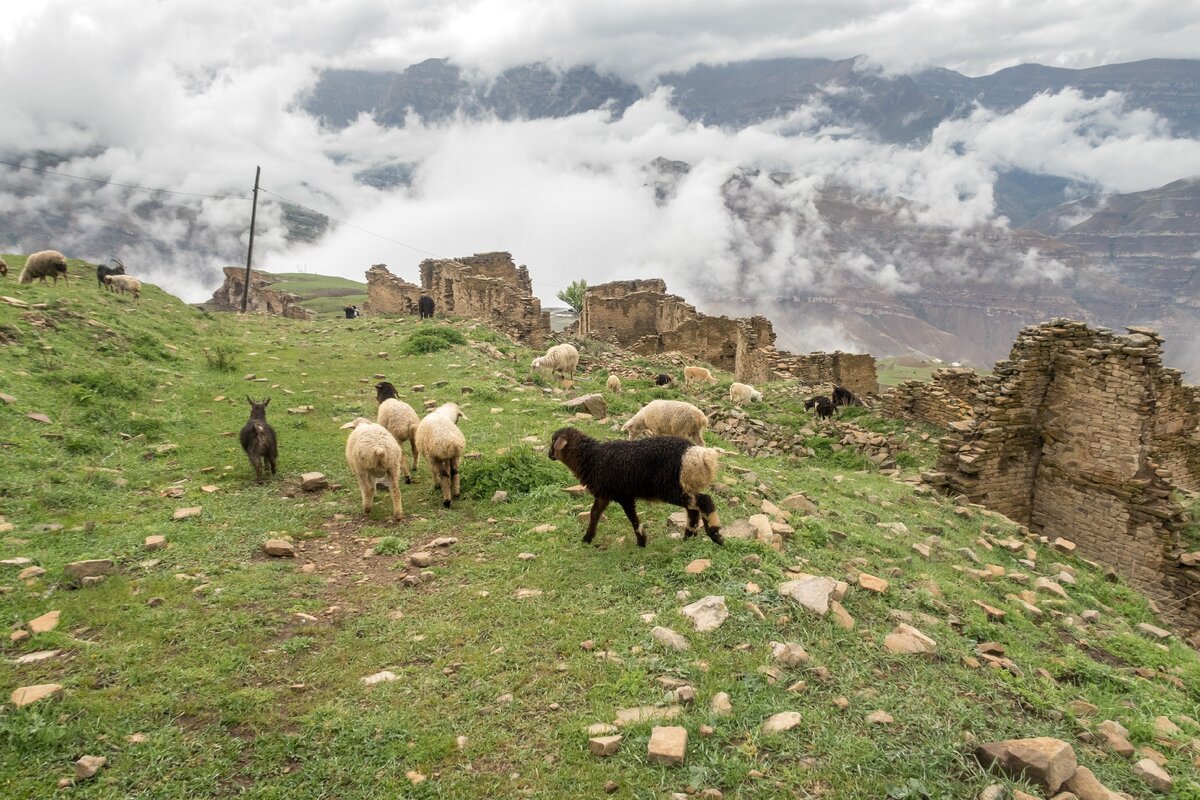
372,453
697,375
668,418
125,283
400,419
443,444
740,394
614,384
561,358
3,267
44,264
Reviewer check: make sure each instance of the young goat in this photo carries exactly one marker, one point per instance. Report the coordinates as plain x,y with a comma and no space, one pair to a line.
258,439
844,397
103,271
822,405
664,468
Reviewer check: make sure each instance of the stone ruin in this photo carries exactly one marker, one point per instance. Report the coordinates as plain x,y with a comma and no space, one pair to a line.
262,300
641,316
488,287
1083,434
942,400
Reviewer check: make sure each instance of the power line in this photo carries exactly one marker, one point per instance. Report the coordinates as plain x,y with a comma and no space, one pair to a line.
122,185
350,224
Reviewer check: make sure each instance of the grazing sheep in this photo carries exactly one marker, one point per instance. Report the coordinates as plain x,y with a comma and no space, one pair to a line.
823,406
561,359
425,307
103,271
740,394
443,444
664,468
613,384
258,439
400,419
844,397
663,379
668,418
125,283
44,264
697,375
372,453
3,267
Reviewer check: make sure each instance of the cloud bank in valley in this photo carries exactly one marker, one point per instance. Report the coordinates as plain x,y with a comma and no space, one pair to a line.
193,96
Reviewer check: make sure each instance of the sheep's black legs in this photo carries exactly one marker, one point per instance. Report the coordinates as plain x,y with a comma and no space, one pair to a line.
598,506
693,523
712,522
630,507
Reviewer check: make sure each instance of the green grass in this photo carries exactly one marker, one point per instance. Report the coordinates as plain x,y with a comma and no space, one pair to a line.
237,695
324,294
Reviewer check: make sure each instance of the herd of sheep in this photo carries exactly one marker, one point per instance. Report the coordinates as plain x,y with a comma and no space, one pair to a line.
664,458
672,465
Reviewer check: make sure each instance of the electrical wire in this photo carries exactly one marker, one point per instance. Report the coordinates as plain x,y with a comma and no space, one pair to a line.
122,185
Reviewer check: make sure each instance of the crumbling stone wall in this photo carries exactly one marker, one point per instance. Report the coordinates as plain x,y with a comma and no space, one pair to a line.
388,294
1177,428
854,371
625,312
942,400
1065,440
262,300
491,288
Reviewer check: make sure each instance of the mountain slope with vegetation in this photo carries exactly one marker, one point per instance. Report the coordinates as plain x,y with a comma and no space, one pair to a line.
207,668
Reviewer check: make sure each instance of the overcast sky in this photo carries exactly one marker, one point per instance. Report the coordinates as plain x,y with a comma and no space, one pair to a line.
193,94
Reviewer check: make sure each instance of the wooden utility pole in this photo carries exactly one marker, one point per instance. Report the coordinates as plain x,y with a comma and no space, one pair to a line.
250,250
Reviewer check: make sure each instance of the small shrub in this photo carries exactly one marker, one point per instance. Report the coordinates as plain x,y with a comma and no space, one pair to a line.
519,471
431,340
390,546
221,357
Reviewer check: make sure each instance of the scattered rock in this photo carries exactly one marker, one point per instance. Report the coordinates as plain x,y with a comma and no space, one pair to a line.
527,594
669,638
812,593
1043,760
157,542
1086,786
39,656
1153,631
1164,728
880,717
871,583
27,695
697,566
185,513
385,676
87,766
444,541
840,615
631,716
1049,585
707,613
96,567
414,777
1154,775
313,481
422,558
280,548
604,745
1064,545
545,529
594,404
668,745
993,613
720,705
907,640
789,654
783,721
45,623
500,496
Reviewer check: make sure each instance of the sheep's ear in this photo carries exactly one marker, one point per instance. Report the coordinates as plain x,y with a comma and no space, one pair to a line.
248,400
463,416
560,443
266,402
351,424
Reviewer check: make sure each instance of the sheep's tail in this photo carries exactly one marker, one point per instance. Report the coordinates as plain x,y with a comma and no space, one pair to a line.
379,459
698,470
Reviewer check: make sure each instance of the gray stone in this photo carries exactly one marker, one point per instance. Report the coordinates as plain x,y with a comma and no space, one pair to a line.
87,766
92,568
279,548
594,404
1046,761
811,593
604,745
1154,775
669,638
313,481
707,613
783,721
668,745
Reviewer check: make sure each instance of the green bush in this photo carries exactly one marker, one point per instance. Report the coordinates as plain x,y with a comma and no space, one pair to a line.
431,340
519,471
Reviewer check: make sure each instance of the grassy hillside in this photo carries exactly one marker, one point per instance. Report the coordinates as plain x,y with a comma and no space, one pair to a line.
324,294
208,669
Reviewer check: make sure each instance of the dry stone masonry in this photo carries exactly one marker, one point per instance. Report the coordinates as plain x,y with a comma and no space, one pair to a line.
1083,434
388,294
262,300
942,401
641,316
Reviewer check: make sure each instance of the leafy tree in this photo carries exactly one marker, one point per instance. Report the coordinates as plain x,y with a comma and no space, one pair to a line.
573,295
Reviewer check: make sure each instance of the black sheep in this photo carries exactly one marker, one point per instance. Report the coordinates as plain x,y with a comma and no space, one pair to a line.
258,439
103,271
663,379
844,397
425,307
822,404
665,468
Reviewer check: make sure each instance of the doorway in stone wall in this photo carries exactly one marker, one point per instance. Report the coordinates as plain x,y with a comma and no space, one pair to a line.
448,296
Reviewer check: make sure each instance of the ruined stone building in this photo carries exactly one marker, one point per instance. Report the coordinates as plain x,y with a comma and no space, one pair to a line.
262,300
388,294
641,316
488,287
942,400
1084,434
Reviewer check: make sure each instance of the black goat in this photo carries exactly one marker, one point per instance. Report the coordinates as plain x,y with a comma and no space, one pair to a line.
844,397
663,379
258,439
425,307
665,468
103,271
822,404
